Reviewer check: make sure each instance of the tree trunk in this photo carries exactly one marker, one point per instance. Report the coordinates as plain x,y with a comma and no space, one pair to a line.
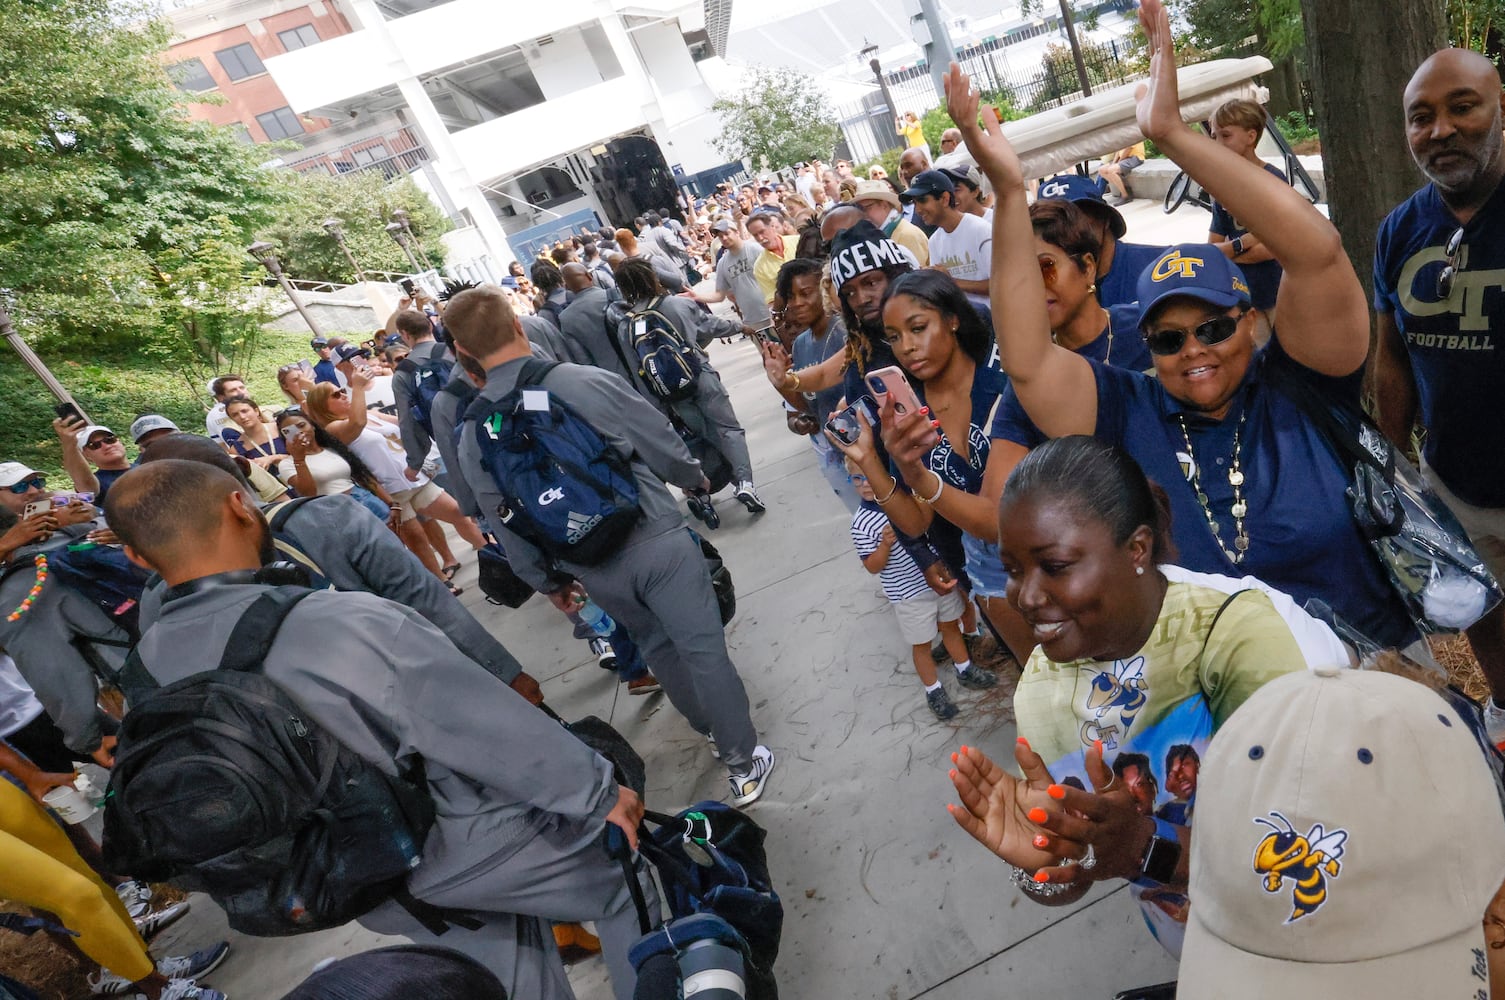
1284,82
1361,54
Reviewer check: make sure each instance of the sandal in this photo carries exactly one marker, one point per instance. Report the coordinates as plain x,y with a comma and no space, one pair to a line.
450,570
457,591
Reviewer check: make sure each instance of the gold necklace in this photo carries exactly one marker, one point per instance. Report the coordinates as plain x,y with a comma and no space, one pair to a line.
1239,507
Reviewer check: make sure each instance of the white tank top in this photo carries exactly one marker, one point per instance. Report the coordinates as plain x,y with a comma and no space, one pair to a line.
331,472
380,447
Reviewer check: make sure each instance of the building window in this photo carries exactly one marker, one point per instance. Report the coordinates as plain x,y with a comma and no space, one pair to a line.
191,76
300,37
241,133
240,61
280,124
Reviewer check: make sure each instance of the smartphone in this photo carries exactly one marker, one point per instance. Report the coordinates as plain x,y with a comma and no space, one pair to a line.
844,426
305,367
891,382
767,336
407,287
67,411
36,507
290,431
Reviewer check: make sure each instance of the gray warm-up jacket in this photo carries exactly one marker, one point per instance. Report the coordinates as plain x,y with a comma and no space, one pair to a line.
415,440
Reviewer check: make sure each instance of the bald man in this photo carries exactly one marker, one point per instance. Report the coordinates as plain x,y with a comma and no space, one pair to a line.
1439,290
913,162
521,804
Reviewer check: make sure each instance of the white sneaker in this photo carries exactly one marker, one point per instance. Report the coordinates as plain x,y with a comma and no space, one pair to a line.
1494,721
748,788
135,894
749,498
715,750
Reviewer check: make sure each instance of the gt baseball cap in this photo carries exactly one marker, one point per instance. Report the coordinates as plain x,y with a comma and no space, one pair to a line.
144,425
930,182
346,352
1191,270
1348,837
12,473
1084,194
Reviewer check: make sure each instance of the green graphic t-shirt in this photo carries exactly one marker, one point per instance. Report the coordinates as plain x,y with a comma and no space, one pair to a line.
1216,641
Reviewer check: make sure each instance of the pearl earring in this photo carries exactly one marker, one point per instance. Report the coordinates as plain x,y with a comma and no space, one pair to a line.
1139,571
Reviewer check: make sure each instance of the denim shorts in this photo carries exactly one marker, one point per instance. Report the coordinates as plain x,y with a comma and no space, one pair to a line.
984,568
370,501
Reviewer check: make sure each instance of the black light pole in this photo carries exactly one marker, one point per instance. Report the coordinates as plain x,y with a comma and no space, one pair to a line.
400,216
265,255
1076,48
870,52
400,235
332,227
30,359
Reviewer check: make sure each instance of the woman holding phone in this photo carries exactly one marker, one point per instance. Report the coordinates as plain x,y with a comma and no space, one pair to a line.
941,457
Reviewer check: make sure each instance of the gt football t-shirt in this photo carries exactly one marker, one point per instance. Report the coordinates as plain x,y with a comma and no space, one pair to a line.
1453,341
1216,641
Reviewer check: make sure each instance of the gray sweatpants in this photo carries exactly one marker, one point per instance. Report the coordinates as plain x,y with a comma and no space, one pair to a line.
562,875
710,413
661,590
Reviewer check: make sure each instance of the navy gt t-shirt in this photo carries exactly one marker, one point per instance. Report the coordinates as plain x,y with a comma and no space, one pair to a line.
1121,285
1454,344
1264,276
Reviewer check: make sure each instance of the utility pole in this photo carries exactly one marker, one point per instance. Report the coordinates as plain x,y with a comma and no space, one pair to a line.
30,359
1076,48
939,52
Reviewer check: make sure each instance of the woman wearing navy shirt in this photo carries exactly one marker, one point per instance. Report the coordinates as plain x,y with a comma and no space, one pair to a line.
1255,490
941,465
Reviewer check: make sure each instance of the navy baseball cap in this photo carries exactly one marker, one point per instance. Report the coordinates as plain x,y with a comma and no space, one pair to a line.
930,182
1192,270
318,342
1083,192
346,352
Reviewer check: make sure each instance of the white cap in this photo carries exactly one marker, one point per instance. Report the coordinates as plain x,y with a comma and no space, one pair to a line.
1349,835
12,473
84,435
144,425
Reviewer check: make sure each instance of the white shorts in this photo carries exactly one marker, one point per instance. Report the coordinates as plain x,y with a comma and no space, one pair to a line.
416,499
1485,525
919,614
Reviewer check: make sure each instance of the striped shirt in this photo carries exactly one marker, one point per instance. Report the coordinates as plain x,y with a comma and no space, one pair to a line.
902,579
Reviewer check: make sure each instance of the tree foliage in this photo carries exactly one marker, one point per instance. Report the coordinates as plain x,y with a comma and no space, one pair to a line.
364,203
781,117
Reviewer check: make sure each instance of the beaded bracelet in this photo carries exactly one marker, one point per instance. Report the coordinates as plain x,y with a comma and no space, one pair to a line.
36,589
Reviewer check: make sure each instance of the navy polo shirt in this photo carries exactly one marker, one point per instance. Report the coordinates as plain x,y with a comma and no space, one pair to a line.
1120,345
325,371
1302,536
1454,345
1264,276
1121,285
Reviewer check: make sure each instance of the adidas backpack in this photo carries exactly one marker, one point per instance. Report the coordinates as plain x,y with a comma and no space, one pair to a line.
430,375
223,784
564,488
668,366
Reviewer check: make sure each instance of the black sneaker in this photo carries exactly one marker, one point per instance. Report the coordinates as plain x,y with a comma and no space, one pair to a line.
606,657
939,653
977,678
940,703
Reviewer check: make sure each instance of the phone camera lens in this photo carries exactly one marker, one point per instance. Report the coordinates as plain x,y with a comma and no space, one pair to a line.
879,386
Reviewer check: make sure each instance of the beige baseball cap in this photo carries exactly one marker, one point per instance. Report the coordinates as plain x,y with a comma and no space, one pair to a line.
875,191
1349,834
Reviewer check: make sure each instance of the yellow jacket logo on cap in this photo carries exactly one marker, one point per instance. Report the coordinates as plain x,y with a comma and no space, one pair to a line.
1308,861
1173,263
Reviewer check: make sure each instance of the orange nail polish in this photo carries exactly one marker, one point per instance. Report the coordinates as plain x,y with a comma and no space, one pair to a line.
1042,841
964,748
954,759
1056,792
1038,815
924,409
1098,746
1041,877
1023,742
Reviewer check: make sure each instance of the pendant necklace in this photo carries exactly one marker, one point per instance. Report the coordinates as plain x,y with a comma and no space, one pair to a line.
1235,479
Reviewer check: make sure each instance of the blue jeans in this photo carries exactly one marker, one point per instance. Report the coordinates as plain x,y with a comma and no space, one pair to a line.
371,502
984,567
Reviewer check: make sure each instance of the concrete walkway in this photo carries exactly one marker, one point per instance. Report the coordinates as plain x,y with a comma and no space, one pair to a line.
885,897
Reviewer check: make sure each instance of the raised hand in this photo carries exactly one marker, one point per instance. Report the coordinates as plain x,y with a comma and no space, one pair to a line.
996,807
776,362
908,437
862,450
986,142
1158,103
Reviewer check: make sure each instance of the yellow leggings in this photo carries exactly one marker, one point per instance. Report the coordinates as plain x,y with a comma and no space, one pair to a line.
40,868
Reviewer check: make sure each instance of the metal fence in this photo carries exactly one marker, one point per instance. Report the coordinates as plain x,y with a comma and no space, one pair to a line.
394,154
1029,84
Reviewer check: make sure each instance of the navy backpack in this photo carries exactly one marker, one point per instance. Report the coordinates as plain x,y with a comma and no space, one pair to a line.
430,375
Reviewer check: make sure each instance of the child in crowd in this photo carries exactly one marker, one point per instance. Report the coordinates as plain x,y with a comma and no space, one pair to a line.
920,609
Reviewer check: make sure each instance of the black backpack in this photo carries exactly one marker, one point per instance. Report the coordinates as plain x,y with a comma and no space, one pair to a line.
224,784
430,376
666,363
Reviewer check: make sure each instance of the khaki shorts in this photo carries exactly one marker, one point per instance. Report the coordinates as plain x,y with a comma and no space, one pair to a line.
416,499
1485,525
919,614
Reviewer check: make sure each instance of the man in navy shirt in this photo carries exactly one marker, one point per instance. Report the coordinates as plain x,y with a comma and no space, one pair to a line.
1120,264
325,370
1439,290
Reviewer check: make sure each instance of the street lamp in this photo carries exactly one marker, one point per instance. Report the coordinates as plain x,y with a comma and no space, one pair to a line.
264,254
30,359
870,53
400,235
400,216
332,227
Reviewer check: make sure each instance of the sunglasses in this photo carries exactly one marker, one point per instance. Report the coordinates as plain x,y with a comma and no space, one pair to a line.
1049,270
342,393
1214,331
288,368
34,483
1446,278
856,477
100,442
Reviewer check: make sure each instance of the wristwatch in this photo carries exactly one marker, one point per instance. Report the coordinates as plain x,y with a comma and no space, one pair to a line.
1238,246
1161,855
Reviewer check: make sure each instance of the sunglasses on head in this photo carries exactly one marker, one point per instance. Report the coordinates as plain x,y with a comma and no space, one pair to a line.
1449,273
100,442
34,483
1214,331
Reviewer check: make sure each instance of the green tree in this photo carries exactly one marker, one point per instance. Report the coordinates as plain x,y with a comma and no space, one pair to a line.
115,207
364,203
781,117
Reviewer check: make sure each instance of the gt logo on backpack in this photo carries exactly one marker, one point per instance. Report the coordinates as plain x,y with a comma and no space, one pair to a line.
430,376
668,366
564,488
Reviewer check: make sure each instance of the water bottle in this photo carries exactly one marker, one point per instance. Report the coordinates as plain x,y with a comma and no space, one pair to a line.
712,971
600,622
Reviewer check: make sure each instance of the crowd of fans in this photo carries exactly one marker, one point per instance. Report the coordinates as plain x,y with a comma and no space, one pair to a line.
1071,458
